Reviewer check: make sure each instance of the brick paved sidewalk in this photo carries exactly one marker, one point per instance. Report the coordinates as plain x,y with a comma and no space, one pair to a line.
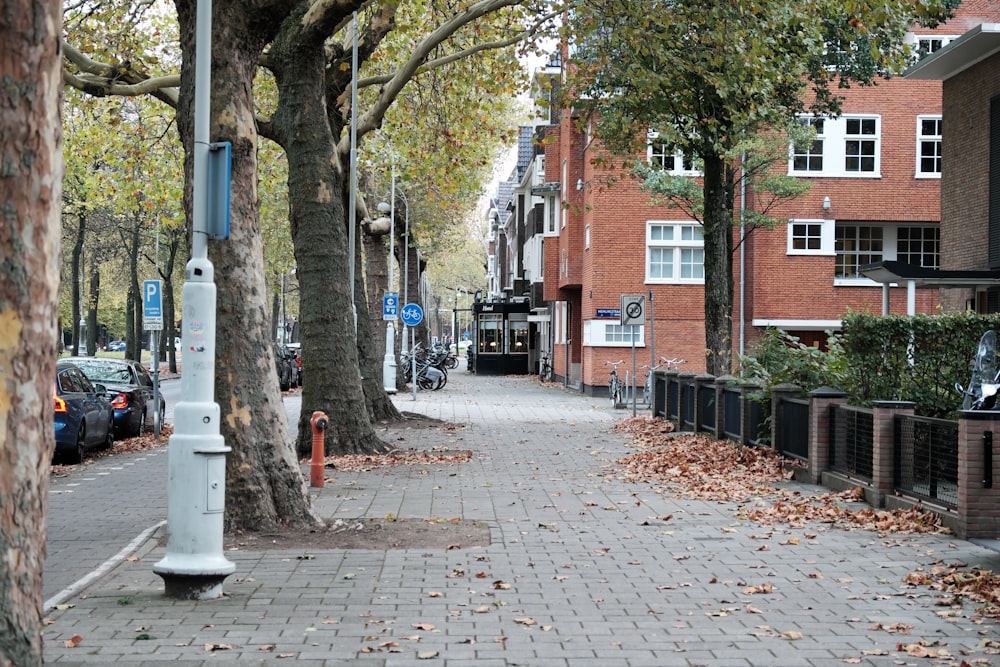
582,569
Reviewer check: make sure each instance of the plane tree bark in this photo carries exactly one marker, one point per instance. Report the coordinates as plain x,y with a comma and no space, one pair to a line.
30,230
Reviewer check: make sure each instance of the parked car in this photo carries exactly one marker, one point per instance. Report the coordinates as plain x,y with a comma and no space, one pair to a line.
116,346
84,419
284,361
129,388
296,349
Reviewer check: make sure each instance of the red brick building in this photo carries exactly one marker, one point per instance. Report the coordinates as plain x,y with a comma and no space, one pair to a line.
875,196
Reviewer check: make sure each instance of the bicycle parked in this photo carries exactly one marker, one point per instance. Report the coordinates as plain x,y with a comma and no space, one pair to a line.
616,386
669,364
544,368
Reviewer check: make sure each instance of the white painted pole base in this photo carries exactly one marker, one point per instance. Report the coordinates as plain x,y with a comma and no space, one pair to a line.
389,362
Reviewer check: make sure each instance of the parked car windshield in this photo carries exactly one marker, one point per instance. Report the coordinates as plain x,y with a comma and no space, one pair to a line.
103,371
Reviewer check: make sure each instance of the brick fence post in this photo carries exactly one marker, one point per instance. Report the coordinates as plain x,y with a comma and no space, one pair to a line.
978,474
883,446
779,392
821,402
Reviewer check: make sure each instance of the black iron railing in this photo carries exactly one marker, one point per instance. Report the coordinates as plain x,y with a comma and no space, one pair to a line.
794,421
926,458
732,412
852,446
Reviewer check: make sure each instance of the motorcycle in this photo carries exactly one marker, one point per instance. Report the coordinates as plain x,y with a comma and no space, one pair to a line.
984,384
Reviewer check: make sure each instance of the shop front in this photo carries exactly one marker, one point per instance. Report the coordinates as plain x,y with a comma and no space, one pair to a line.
502,338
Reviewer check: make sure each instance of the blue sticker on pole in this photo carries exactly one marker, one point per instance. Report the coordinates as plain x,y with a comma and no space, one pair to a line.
412,314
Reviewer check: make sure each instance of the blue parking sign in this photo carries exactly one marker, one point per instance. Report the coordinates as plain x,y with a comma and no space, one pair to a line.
412,314
152,305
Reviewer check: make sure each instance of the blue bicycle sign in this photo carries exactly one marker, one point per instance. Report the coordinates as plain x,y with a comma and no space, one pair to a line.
412,314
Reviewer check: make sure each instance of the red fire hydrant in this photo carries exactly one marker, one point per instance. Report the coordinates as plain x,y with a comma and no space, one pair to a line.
319,423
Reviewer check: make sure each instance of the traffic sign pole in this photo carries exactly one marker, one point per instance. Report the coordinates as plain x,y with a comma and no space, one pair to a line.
412,315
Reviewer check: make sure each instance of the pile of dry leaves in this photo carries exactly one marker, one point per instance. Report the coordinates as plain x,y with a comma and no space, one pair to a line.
139,443
695,466
364,462
980,586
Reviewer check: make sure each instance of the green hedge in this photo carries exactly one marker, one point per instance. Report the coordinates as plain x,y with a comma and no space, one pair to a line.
917,358
874,358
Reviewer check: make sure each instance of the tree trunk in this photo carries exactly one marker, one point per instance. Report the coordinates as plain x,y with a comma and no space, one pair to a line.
77,283
31,143
133,344
318,187
93,298
371,337
718,232
264,484
175,236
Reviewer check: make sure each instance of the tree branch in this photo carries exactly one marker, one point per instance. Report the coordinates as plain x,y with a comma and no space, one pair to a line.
485,46
102,79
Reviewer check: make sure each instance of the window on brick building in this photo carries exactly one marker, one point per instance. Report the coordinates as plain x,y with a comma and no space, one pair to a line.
928,44
609,333
810,237
665,155
552,207
845,146
928,146
919,246
810,158
586,237
858,244
674,252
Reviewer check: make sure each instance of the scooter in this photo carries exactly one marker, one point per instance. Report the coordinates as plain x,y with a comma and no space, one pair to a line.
985,382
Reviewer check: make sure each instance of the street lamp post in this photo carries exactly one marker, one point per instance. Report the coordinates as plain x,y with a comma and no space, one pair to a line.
389,360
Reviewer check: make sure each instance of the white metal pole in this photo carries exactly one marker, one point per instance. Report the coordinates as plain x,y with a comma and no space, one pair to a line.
194,565
389,360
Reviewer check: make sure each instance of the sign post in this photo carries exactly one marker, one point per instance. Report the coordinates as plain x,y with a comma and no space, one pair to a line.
152,321
412,315
633,313
390,311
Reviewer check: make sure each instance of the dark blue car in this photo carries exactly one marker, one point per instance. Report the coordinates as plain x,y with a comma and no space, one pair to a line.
129,388
84,418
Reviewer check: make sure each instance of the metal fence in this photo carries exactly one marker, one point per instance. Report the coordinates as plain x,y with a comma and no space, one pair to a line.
794,420
706,407
926,458
687,398
732,412
852,442
757,414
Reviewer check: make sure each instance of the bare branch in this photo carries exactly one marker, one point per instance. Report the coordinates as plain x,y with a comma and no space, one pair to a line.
459,55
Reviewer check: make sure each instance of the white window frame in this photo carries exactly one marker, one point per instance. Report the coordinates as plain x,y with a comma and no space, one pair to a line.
797,230
835,140
680,247
551,213
674,163
925,139
890,245
565,194
810,154
586,236
609,333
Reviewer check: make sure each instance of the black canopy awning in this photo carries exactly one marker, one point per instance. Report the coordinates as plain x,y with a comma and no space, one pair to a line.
892,271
